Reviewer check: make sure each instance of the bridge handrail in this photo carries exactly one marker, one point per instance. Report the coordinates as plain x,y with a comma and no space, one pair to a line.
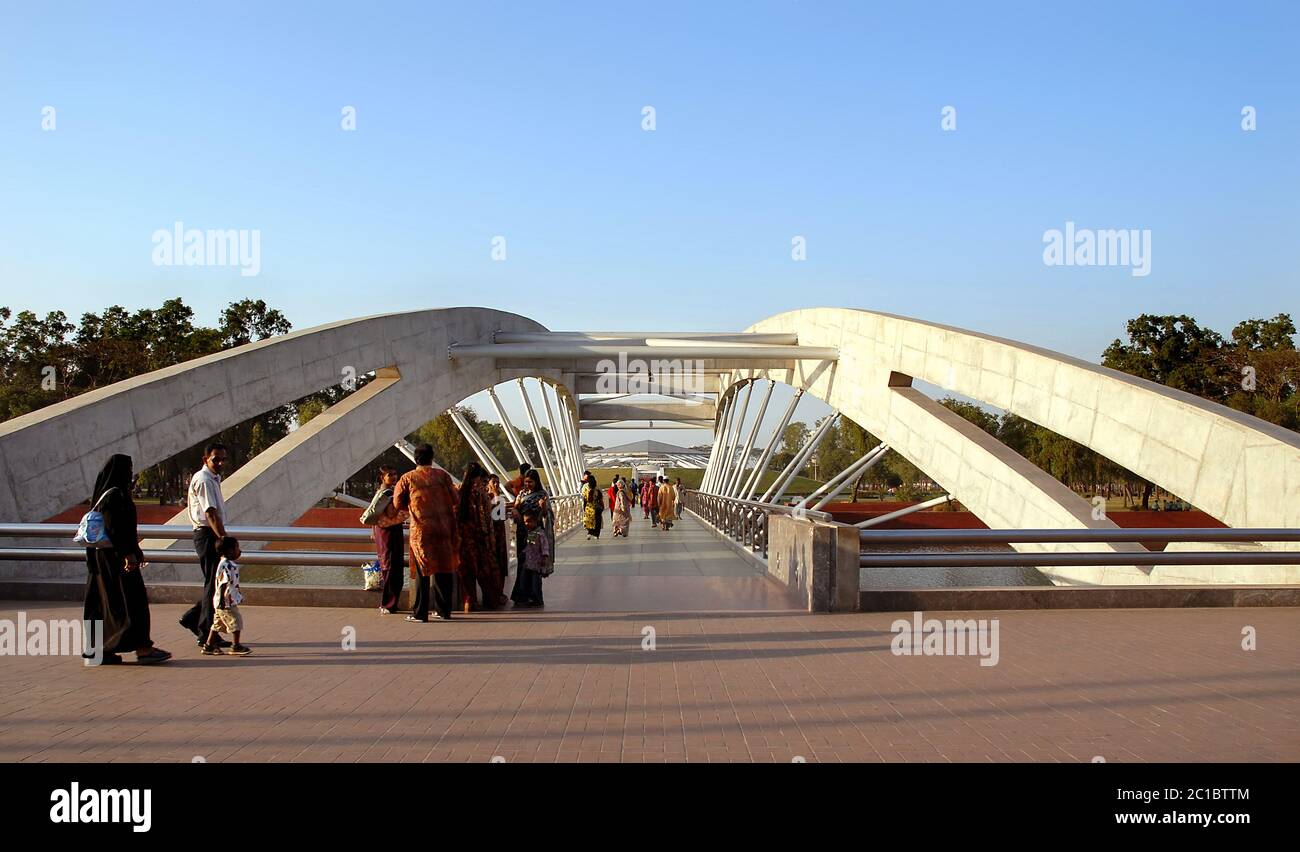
869,557
1080,536
185,556
743,521
178,531
769,508
1074,558
567,509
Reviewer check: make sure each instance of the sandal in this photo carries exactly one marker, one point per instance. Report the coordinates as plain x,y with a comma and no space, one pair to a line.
155,655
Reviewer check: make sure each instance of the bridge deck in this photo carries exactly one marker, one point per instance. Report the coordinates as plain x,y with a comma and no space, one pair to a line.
687,569
1153,685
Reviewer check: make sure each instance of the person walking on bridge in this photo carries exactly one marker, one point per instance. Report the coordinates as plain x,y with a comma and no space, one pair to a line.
115,591
650,500
667,499
593,509
430,496
208,516
622,509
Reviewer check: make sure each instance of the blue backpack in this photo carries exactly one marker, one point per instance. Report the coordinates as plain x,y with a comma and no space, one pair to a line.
91,532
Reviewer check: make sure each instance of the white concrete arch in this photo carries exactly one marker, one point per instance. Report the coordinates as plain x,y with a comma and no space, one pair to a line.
1237,468
50,457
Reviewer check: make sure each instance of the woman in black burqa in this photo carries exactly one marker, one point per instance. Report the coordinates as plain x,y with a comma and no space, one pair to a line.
115,591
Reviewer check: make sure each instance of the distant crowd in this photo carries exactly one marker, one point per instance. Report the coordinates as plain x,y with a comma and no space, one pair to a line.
658,498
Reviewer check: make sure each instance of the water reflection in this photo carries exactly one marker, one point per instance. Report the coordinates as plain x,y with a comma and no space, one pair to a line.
300,575
935,578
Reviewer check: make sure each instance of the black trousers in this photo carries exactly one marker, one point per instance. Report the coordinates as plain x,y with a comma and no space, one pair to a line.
198,618
394,573
440,599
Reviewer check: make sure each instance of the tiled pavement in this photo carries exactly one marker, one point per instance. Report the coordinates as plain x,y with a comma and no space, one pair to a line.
1124,685
685,569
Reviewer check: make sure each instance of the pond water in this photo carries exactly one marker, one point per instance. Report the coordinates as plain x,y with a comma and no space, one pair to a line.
932,578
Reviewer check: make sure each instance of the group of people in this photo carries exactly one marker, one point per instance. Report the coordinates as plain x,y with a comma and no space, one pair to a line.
459,545
658,497
459,551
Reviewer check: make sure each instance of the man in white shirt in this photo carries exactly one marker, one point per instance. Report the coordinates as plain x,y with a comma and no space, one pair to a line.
208,516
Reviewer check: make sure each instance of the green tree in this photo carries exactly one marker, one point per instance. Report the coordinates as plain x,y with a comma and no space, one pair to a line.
793,439
1173,351
43,361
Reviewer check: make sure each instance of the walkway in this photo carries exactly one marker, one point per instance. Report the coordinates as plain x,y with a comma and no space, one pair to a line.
687,569
1137,685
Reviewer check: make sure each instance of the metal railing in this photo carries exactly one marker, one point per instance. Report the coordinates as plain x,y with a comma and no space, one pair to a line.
872,539
743,521
186,556
568,515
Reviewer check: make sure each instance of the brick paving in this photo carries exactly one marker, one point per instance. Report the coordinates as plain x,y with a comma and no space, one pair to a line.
1125,685
765,683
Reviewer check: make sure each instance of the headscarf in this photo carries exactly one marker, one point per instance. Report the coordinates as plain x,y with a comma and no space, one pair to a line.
468,484
117,474
531,500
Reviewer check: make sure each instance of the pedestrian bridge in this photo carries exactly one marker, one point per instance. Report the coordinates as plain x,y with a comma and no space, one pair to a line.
1241,470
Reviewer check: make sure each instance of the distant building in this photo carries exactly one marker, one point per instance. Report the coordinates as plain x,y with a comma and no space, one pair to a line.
649,454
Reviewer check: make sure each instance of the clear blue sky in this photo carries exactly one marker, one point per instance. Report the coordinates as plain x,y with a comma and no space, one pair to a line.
774,119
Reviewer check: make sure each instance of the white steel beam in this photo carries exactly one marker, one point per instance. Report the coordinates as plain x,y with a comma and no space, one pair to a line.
561,451
516,443
583,349
871,522
780,338
717,442
724,445
481,449
551,473
779,485
747,493
729,447
734,484
854,470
